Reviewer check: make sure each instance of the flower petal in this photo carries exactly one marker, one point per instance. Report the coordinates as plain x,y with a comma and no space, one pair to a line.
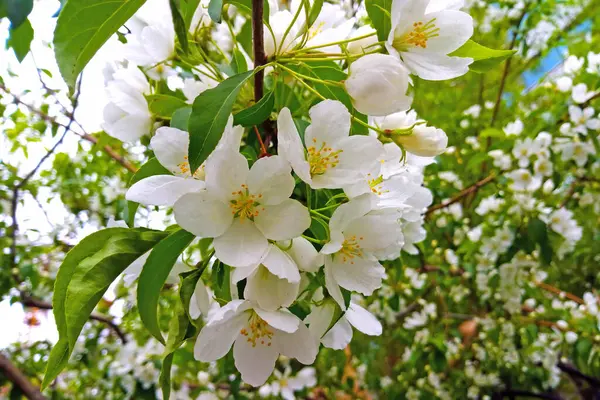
330,122
255,362
162,190
283,221
241,245
435,66
304,254
455,28
358,274
226,172
269,291
363,320
320,318
289,145
200,300
170,146
281,319
331,284
280,264
214,341
339,335
360,153
202,215
271,179
348,212
301,345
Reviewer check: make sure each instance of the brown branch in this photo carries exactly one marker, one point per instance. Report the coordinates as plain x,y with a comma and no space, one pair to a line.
43,305
574,372
552,289
14,374
463,193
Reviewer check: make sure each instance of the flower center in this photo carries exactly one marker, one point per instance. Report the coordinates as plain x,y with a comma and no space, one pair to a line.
184,169
258,331
418,36
321,159
245,205
351,249
376,185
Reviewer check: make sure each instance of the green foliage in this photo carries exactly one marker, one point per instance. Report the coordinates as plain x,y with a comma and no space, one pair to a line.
209,116
215,8
484,57
16,11
154,275
83,278
20,39
179,24
83,26
379,12
257,113
163,105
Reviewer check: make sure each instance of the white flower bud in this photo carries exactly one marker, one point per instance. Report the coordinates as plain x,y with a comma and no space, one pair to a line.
362,45
377,84
562,324
571,337
548,186
425,141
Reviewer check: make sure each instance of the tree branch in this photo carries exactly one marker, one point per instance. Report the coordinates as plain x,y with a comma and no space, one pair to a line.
463,193
13,374
43,305
524,393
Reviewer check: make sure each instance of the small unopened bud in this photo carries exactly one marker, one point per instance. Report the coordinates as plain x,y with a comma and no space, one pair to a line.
425,141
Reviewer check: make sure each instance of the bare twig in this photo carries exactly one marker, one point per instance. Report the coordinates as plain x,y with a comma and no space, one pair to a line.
18,378
43,305
463,193
555,290
574,372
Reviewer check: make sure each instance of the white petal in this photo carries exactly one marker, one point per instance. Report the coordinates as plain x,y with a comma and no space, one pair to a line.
280,264
271,179
226,172
375,231
305,255
200,301
301,345
331,284
231,138
319,319
290,146
357,274
283,221
202,215
269,291
255,363
336,240
330,122
456,27
170,146
281,319
162,190
241,245
240,273
363,320
360,153
229,311
127,127
214,341
158,41
435,66
339,336
348,212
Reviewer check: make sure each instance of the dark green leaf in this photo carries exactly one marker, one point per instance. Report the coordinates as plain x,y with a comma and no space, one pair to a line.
484,57
190,9
20,40
17,11
538,232
164,105
246,5
179,24
215,8
154,275
181,117
150,168
83,278
315,10
379,12
164,379
347,296
245,37
83,26
189,280
257,113
209,116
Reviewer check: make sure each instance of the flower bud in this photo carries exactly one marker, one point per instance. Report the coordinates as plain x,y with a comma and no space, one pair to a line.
425,141
377,84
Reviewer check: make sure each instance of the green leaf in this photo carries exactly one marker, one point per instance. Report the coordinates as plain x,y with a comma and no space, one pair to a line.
83,26
379,12
209,116
347,294
154,275
164,379
179,24
150,168
256,113
180,118
83,278
538,232
20,40
164,105
484,57
17,11
246,5
215,8
245,37
189,279
315,10
190,9
238,62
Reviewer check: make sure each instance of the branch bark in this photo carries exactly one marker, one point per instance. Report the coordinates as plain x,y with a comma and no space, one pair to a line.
13,374
43,305
463,193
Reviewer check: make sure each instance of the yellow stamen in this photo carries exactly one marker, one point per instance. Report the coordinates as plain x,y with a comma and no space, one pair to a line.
245,205
260,332
321,159
418,36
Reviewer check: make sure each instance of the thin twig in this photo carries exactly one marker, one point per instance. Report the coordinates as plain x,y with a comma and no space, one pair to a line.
18,378
463,193
552,289
574,372
43,305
